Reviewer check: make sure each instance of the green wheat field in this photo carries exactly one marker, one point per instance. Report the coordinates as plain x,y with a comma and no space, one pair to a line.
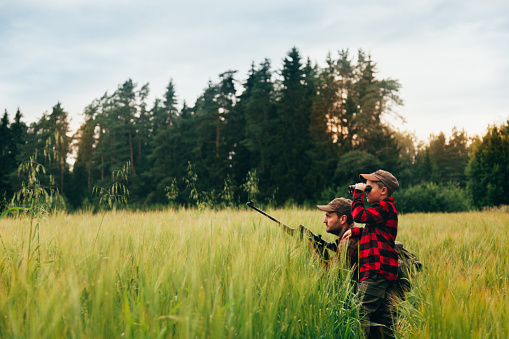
235,274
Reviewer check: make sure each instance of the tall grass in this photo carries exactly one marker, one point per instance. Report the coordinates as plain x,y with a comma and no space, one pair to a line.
182,274
190,273
464,290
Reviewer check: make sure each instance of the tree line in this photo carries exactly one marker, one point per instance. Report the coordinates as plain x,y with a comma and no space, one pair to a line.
299,134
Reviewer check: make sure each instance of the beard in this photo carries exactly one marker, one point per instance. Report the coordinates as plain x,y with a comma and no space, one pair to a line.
336,229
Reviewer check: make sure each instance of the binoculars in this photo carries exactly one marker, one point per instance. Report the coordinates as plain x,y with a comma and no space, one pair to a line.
351,188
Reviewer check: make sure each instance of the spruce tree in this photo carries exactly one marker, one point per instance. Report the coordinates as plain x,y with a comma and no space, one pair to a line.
290,136
324,132
488,169
59,127
7,160
20,150
82,181
162,158
257,108
124,111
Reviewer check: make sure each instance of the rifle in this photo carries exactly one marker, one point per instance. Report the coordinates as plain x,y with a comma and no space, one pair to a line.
319,244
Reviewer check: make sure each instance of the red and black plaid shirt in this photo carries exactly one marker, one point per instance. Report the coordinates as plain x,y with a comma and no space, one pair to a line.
376,252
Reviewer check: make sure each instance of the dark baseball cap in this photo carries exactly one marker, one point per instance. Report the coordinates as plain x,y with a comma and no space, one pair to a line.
385,177
340,205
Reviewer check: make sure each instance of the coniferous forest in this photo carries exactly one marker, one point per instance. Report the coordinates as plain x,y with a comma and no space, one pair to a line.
286,133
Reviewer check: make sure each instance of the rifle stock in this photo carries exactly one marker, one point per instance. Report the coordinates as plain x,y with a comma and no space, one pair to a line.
317,238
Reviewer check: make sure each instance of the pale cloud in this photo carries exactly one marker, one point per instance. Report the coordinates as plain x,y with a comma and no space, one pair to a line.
450,56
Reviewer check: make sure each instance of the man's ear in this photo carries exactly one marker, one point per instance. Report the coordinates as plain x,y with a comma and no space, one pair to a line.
342,219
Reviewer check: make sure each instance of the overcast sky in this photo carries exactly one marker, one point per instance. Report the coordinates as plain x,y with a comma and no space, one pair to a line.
451,57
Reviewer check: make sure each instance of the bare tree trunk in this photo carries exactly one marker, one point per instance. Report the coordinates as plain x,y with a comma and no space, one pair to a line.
62,176
139,148
131,151
262,155
139,138
89,175
217,136
112,155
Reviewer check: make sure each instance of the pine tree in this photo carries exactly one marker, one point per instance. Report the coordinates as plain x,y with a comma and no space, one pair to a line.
212,112
457,156
163,146
290,136
325,129
104,154
125,110
83,177
488,169
59,127
257,107
143,128
20,150
7,160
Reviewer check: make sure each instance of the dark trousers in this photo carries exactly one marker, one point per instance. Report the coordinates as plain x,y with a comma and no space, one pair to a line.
376,310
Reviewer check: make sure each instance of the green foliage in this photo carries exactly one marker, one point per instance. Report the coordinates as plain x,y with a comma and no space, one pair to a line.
227,195
190,181
256,106
203,199
431,197
289,135
290,130
7,155
4,213
488,170
117,193
113,196
38,197
13,137
172,191
251,185
443,160
305,130
351,164
38,192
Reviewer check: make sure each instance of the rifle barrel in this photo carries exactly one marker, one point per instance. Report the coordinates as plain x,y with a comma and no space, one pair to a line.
316,238
286,227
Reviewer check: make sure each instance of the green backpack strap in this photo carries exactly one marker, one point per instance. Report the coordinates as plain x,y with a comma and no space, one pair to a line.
409,266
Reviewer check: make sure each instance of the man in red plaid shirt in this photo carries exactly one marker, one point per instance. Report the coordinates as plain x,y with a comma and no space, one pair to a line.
378,259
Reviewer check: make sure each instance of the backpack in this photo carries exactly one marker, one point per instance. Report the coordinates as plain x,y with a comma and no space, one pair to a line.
409,266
